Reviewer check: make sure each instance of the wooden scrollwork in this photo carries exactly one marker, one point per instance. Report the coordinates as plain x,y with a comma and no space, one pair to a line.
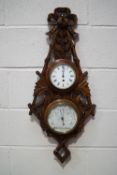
62,38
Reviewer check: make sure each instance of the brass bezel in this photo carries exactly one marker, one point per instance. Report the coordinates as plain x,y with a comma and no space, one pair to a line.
60,102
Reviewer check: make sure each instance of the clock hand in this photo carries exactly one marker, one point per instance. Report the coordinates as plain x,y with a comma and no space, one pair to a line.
63,76
63,71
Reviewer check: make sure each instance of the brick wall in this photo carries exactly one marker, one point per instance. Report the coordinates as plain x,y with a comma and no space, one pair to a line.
24,150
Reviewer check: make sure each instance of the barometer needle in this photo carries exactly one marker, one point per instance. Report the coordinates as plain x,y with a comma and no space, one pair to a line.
62,117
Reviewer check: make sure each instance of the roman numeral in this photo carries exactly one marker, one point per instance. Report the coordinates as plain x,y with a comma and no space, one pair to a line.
71,75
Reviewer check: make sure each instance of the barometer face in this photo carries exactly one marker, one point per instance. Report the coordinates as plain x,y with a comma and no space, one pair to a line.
62,116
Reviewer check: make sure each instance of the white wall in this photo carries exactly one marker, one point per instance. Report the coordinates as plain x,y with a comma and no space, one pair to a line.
24,149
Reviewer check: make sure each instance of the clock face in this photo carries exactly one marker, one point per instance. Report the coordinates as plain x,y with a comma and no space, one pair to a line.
62,76
62,116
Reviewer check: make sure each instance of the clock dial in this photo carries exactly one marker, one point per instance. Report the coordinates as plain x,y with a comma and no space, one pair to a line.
62,117
62,76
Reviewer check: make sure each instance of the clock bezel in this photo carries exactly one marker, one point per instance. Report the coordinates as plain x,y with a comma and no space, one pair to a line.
60,102
54,64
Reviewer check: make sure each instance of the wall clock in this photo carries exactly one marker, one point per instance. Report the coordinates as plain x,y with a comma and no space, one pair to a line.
62,100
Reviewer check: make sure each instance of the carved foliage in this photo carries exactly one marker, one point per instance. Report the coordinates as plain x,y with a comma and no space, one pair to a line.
62,46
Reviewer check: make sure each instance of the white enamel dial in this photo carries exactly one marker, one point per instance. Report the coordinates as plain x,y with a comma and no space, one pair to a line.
62,118
63,76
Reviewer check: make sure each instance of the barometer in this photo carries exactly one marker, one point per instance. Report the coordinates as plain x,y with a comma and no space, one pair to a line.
62,100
